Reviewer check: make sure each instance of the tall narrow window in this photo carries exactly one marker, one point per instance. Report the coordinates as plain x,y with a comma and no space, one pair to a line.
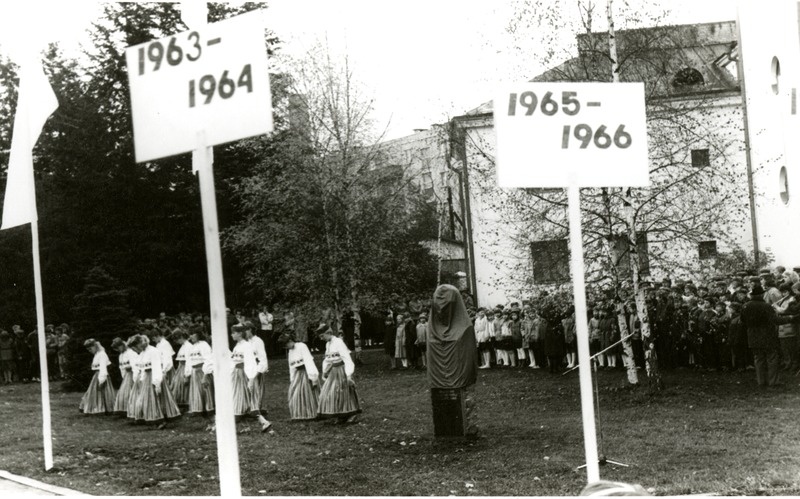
784,185
775,71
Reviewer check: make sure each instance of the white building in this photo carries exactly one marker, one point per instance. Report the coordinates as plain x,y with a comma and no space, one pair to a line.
771,65
515,241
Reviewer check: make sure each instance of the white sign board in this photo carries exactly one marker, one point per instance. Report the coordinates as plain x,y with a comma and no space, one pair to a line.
561,134
214,79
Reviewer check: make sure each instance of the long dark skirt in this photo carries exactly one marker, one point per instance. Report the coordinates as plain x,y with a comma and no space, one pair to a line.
338,397
98,399
303,397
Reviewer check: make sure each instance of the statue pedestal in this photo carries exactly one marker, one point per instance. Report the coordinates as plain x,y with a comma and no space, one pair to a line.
449,412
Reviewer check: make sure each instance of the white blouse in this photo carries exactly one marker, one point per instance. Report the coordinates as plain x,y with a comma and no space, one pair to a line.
261,354
183,352
299,355
100,363
126,358
336,350
198,353
243,354
150,359
166,354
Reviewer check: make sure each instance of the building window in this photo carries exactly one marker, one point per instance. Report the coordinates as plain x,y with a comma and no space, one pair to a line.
784,185
775,71
707,249
687,77
550,261
700,158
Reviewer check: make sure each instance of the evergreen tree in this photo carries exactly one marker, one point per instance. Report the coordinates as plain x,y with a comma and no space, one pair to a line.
101,312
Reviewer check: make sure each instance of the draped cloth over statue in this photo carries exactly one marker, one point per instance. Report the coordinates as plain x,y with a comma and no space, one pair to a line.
452,357
452,365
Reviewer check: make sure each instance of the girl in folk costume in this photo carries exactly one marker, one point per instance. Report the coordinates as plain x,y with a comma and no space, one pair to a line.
422,337
399,341
126,357
303,379
338,397
163,346
99,398
180,381
258,393
481,337
197,375
133,397
154,403
242,377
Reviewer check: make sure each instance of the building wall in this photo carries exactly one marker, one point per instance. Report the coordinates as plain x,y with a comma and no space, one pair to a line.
423,157
503,262
773,121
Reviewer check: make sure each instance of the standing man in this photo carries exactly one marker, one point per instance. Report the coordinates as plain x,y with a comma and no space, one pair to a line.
761,324
266,327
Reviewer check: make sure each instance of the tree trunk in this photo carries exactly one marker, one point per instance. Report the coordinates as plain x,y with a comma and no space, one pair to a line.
648,340
630,363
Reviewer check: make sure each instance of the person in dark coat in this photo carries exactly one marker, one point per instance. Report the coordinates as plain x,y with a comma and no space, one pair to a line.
554,346
348,329
411,340
761,323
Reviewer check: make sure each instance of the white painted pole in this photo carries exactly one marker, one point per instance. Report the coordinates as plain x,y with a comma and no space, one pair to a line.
47,434
582,329
227,445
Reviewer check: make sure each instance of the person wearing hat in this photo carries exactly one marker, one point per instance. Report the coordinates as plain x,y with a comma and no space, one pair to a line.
760,322
771,293
737,337
303,394
788,333
338,397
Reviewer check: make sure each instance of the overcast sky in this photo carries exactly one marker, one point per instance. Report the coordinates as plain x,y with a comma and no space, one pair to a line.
423,60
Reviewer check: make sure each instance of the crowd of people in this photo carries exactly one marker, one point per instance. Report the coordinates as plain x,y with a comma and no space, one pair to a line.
19,353
705,325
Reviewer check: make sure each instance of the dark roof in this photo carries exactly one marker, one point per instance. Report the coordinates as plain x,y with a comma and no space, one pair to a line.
672,61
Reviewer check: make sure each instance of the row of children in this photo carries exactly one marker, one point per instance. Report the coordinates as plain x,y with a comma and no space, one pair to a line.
156,389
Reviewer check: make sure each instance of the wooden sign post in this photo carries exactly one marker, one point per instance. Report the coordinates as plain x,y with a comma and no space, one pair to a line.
573,135
190,92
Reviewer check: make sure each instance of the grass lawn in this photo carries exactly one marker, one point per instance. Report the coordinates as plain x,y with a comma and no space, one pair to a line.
708,432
